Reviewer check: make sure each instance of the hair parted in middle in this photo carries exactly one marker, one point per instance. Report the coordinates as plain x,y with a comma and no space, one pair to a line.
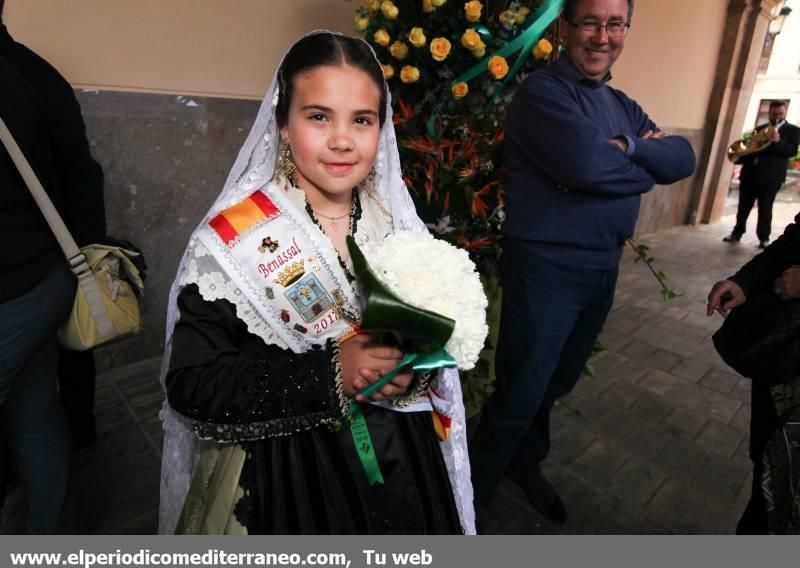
323,49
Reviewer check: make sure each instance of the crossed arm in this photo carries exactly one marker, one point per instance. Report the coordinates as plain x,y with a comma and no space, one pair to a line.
593,163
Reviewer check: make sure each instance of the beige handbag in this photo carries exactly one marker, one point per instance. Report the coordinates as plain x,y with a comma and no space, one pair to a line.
106,307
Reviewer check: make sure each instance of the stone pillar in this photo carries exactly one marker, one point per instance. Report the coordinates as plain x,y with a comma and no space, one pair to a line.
745,30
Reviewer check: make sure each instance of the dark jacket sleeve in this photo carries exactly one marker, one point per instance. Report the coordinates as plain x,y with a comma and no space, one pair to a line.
787,146
763,269
238,388
80,177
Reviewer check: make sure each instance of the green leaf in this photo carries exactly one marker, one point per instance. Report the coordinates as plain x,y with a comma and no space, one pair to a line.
385,311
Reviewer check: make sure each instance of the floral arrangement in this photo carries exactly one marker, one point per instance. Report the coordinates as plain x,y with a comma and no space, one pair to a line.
450,84
453,290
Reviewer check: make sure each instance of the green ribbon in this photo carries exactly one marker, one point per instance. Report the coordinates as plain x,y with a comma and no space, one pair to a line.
523,43
364,447
358,424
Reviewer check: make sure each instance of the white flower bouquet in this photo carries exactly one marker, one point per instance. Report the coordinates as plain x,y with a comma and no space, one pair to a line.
426,290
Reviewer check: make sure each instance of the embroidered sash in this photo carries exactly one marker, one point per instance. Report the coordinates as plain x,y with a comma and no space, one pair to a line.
284,266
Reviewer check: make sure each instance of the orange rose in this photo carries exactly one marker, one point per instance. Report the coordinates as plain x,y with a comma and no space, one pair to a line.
381,37
388,71
440,48
472,10
389,9
399,50
471,39
361,23
459,90
507,18
409,74
372,5
416,37
522,13
427,6
498,66
543,49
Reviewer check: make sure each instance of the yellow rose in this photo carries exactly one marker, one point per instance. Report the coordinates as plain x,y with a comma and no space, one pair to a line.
427,6
543,49
480,51
372,5
472,10
399,50
471,39
438,3
388,71
522,13
459,90
381,37
389,9
507,18
440,48
361,23
409,74
498,66
416,37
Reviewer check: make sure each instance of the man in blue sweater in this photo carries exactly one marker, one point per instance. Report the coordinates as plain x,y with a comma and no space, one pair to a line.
579,155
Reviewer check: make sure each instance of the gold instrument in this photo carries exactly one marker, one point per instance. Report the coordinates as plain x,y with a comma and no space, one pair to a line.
760,140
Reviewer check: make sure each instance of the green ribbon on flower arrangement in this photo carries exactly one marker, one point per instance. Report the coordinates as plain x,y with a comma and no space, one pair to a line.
385,311
523,43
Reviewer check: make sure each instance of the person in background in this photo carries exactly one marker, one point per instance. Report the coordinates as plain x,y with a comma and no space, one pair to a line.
36,286
579,154
763,173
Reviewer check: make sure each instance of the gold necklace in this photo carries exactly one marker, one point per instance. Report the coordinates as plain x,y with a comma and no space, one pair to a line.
333,219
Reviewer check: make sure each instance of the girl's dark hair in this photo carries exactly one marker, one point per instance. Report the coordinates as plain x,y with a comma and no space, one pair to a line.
318,50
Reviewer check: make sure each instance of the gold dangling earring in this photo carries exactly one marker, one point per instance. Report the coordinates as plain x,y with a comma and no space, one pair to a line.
286,167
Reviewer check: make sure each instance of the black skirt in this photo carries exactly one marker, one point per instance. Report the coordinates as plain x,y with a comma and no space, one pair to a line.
313,482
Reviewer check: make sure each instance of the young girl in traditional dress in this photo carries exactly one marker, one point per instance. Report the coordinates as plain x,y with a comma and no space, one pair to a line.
263,359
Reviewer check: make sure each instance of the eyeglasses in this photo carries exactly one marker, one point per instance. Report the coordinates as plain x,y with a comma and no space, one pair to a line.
613,29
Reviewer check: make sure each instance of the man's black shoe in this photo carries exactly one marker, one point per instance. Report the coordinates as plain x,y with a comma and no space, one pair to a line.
541,494
732,238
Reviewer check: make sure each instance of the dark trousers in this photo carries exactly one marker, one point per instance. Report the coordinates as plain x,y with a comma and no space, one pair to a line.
31,417
750,192
551,317
76,382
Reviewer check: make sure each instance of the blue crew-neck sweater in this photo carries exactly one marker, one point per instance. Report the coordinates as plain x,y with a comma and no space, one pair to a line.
573,197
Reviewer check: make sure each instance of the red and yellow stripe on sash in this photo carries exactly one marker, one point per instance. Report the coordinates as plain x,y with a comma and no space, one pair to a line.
441,425
233,221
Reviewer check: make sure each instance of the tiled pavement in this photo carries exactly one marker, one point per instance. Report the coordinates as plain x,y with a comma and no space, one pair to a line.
656,442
